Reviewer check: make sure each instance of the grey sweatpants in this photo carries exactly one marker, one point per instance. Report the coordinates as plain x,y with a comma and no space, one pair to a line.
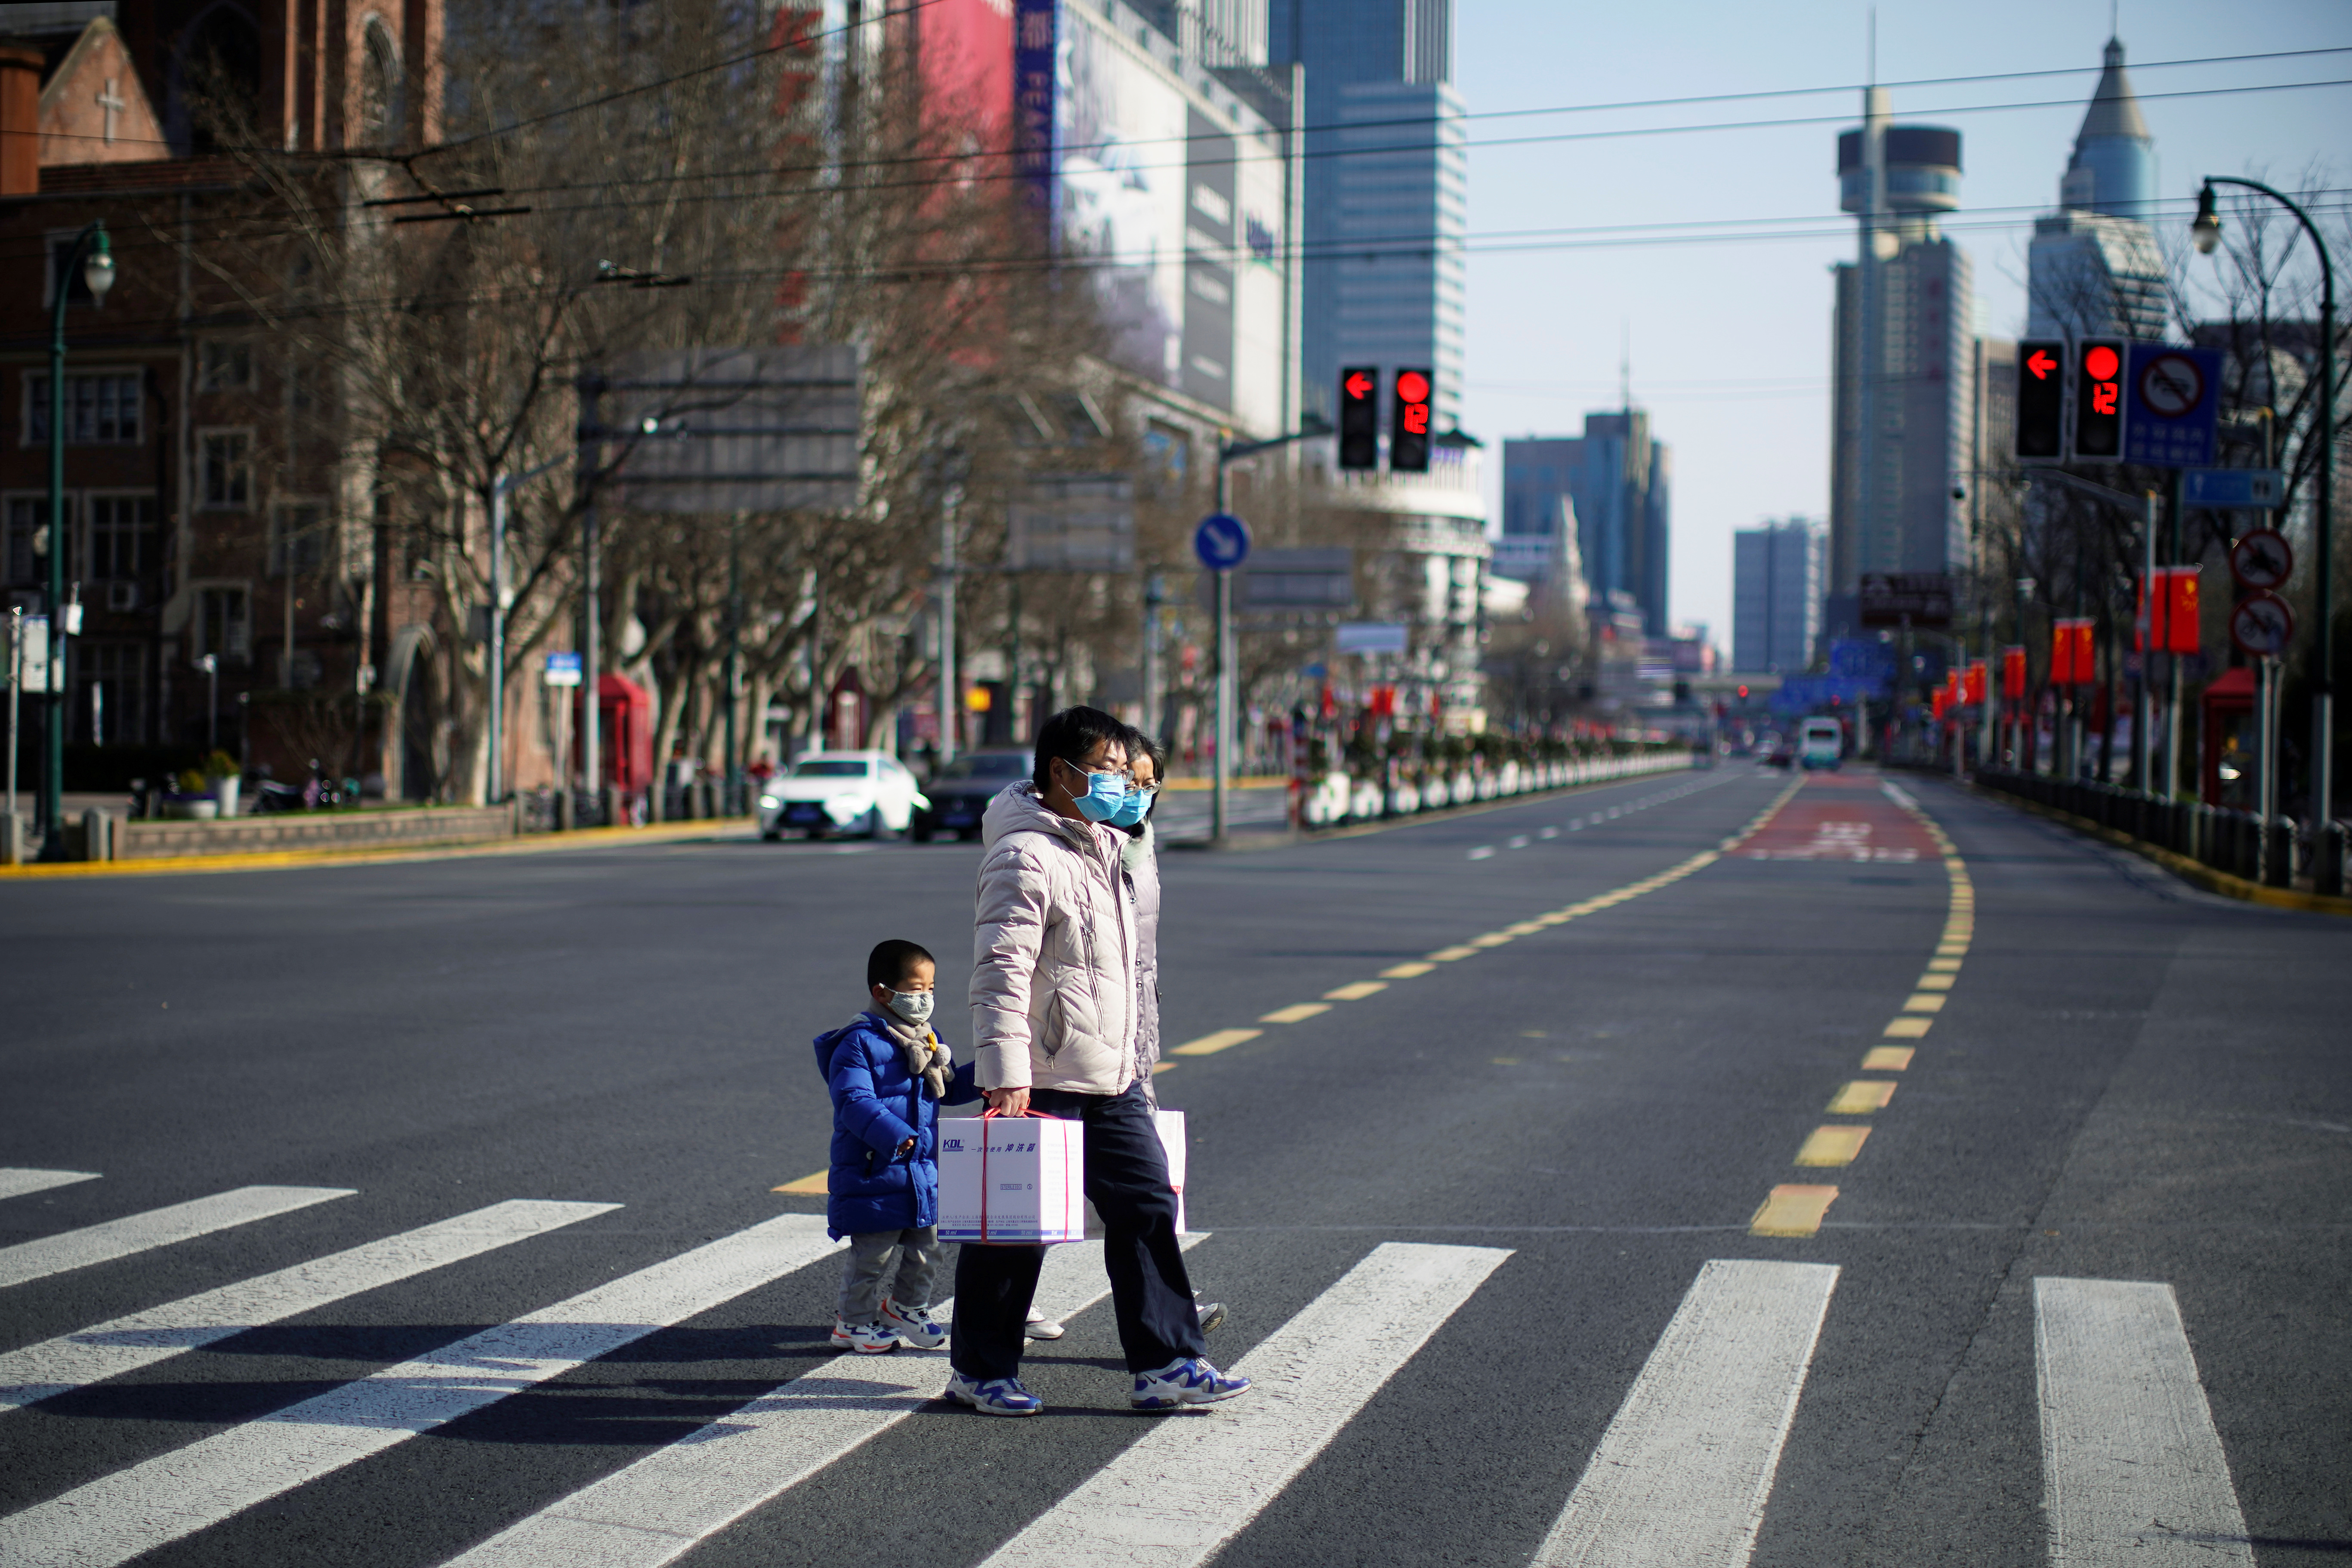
866,1278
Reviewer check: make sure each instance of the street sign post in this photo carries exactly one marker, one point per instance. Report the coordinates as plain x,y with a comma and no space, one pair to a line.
1222,542
2261,625
2173,405
562,670
2262,559
2260,487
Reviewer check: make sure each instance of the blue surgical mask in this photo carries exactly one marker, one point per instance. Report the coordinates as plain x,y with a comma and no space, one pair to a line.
1106,793
1131,810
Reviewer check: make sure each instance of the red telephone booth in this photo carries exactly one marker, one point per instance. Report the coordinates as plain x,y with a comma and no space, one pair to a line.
2229,736
624,714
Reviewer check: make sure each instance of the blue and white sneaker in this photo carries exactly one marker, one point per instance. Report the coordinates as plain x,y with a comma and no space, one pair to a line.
996,1396
1183,1383
913,1325
866,1339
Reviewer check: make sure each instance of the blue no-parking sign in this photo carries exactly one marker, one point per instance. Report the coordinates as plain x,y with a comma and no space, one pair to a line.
1222,542
2172,401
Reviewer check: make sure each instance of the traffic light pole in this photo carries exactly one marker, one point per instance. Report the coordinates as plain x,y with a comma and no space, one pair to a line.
2144,722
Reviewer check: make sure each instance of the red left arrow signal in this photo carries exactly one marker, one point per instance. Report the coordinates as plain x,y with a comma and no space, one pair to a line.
1359,387
2041,364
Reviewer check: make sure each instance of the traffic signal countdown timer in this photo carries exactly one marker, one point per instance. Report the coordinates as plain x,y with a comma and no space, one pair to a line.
1409,431
1359,417
2042,399
2099,399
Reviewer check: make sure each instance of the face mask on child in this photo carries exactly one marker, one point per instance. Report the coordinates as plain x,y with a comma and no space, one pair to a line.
914,1006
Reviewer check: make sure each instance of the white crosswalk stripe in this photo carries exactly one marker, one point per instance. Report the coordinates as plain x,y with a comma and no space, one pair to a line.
1195,1481
116,1518
659,1509
16,1183
125,1345
29,1260
2133,1472
1681,1477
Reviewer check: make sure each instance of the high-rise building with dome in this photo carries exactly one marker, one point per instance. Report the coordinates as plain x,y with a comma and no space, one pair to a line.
2094,268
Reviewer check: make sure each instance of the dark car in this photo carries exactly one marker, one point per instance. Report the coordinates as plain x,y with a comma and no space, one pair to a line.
959,791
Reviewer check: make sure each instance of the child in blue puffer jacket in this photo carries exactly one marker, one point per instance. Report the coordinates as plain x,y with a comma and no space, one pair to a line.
888,1074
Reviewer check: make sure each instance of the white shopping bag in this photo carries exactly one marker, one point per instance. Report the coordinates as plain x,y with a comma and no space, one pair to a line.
1171,1140
1012,1179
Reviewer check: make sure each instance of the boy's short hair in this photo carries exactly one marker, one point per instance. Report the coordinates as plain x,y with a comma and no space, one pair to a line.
892,962
1071,735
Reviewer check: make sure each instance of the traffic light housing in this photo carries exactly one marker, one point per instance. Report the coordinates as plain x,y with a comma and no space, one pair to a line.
2099,400
1359,416
1409,430
2042,399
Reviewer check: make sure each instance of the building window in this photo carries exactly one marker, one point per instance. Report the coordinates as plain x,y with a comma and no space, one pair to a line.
223,366
110,692
101,409
298,538
224,468
221,626
119,529
28,568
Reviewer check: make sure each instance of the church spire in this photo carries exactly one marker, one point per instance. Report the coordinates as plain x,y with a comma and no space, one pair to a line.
2114,167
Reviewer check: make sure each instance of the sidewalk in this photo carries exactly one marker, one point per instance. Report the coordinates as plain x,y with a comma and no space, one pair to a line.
526,844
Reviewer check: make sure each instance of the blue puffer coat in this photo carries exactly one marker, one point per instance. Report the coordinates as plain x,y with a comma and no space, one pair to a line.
877,1105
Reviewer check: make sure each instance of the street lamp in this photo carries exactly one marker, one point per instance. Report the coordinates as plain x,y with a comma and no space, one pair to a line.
98,273
2206,233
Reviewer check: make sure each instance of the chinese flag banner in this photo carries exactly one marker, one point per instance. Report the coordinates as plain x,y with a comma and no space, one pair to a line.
2012,674
1940,698
2071,661
2179,632
1972,689
2085,661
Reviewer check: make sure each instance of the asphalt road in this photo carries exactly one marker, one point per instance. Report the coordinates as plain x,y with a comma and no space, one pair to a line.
1478,1222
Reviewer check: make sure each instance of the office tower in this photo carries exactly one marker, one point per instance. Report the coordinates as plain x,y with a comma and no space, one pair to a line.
2093,267
1613,485
1776,597
1903,407
1386,182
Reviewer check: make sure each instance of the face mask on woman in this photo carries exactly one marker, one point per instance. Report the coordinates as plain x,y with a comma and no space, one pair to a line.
1105,794
1131,810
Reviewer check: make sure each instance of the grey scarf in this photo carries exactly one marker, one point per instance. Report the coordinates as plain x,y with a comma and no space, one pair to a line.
926,1058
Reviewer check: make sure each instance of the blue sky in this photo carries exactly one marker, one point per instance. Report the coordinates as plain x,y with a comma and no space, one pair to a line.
1730,341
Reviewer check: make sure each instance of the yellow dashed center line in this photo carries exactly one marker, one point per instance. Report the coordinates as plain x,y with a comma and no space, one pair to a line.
1932,981
1357,992
1209,1045
1792,1211
1448,954
1412,971
1297,1013
1833,1147
806,1187
1889,1058
1862,1096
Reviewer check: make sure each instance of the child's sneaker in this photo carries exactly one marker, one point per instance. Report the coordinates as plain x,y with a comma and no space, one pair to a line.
996,1396
866,1339
1182,1383
913,1325
1041,1327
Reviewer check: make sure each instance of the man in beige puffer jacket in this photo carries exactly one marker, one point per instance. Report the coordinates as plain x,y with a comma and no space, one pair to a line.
1054,1020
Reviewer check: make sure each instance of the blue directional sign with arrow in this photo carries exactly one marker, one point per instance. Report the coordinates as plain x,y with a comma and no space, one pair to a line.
1222,542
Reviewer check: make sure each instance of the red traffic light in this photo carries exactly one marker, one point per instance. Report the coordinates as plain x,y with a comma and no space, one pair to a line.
1412,386
2101,362
1408,428
1360,385
2041,363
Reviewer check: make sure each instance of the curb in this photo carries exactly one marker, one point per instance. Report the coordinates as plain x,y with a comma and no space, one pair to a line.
280,859
2194,872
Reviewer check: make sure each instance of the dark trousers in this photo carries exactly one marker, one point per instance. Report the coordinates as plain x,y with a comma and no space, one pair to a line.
1127,1181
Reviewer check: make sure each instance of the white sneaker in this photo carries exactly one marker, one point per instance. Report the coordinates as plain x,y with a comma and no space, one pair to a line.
1040,1327
913,1325
996,1396
1182,1383
866,1339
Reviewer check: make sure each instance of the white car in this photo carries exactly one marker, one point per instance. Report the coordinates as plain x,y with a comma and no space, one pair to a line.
840,792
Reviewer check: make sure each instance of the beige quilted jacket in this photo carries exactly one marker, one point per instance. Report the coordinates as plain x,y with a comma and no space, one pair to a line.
1053,953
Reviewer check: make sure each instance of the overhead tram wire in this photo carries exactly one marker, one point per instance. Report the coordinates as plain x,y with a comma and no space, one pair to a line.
962,159
903,272
672,199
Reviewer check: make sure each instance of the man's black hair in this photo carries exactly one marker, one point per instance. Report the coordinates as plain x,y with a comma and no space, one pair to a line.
1071,735
891,962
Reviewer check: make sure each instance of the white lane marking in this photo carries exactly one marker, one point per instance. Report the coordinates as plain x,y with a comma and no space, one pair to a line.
2132,1469
1518,841
1898,795
1547,832
1196,1479
1484,852
1681,1477
663,1506
16,1183
117,1517
156,1228
126,1344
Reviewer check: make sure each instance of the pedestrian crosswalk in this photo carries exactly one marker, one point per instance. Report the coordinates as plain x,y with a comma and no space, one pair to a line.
1684,1473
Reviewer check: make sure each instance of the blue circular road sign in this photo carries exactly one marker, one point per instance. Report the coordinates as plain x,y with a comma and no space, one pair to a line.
1222,542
